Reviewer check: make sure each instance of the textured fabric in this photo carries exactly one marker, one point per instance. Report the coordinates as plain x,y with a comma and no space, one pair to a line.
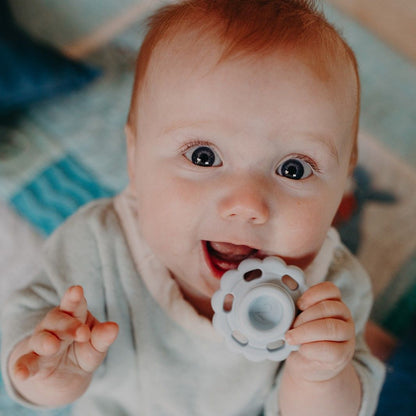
158,366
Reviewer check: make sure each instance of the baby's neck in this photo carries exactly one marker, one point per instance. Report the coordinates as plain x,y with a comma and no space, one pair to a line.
200,303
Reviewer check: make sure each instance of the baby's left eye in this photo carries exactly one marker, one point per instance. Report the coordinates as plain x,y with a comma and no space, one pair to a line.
203,156
295,168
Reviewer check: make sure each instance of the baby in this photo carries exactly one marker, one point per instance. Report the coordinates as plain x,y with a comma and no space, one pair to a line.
241,137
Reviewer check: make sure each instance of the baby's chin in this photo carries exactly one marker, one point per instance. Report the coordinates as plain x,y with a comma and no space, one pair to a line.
302,262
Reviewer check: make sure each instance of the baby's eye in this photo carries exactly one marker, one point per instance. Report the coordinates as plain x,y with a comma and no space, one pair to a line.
295,168
203,156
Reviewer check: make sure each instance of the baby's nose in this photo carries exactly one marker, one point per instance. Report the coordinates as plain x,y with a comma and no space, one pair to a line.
245,203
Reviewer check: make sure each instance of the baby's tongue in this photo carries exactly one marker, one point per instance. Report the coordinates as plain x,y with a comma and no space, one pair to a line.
227,256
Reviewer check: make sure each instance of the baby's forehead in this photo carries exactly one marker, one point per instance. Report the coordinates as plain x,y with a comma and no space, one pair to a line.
202,34
187,53
193,67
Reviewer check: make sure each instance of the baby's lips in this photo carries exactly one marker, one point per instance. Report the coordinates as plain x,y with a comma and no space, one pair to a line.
232,251
224,265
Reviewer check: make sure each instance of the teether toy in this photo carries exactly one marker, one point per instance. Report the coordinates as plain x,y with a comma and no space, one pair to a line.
255,306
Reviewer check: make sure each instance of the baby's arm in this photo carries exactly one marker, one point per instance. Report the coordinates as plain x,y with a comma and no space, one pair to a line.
54,366
320,378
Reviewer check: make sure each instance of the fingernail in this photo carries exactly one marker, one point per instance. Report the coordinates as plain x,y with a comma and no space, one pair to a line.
75,292
289,337
301,304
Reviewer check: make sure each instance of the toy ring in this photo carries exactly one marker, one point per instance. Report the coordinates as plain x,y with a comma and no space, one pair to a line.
255,306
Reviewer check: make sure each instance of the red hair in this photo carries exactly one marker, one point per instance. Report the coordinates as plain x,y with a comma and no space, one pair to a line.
250,27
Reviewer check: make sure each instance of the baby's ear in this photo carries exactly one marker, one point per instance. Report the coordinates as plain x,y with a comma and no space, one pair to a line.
131,150
353,159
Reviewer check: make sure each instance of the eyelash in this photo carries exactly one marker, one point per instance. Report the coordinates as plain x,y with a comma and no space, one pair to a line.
194,143
198,142
306,159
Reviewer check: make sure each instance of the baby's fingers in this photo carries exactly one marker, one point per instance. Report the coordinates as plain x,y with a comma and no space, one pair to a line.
26,366
74,303
103,335
329,329
324,309
328,353
318,293
63,326
92,353
45,343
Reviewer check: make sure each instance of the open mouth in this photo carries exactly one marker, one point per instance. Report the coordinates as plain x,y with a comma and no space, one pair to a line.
222,257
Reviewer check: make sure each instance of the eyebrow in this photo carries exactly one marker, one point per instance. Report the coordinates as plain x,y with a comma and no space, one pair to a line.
183,125
322,139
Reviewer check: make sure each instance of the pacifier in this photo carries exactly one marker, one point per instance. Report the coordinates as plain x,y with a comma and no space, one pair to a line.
256,305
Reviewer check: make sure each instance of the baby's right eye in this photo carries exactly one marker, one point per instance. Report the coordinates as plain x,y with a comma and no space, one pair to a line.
203,156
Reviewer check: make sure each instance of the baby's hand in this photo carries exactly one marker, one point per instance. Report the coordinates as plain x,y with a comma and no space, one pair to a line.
67,345
325,332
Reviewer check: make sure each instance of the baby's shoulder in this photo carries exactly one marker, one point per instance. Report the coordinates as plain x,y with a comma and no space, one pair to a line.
345,265
349,275
96,216
100,211
94,225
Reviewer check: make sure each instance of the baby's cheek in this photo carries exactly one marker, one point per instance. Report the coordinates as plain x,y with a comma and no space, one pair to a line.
164,214
308,227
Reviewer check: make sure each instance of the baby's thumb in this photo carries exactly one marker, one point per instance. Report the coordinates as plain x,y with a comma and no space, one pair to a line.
103,335
91,354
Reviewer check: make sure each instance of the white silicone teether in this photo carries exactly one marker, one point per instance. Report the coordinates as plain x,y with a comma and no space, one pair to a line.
255,306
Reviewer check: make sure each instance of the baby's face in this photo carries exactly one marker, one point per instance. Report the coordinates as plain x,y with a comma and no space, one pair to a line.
245,158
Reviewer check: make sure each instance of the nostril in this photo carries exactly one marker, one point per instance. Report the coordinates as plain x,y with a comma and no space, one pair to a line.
259,218
246,214
245,205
